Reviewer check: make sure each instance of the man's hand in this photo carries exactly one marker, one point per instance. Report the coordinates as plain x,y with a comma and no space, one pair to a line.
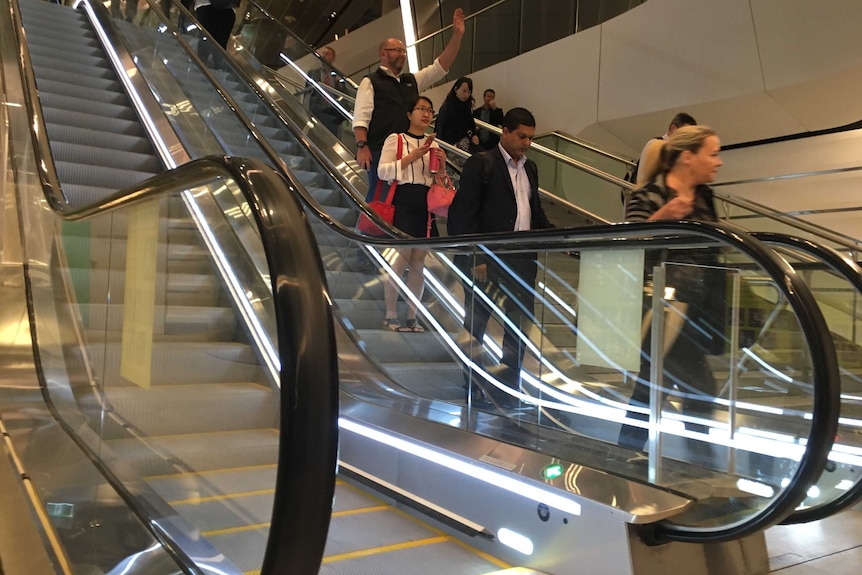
458,21
480,273
363,156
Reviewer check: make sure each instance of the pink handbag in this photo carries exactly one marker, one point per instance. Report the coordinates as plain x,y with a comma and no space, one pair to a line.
440,195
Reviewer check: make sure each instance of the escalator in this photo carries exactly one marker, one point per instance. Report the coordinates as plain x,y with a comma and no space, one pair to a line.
597,198
585,187
405,420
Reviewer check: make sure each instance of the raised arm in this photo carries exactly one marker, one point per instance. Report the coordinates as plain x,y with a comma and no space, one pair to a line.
447,56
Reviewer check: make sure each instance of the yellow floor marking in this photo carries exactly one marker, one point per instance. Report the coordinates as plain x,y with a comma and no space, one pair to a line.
232,530
384,549
490,558
487,557
195,500
359,510
212,471
204,434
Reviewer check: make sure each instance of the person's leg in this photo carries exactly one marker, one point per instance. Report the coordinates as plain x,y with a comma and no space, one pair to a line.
517,282
131,10
207,17
372,175
224,25
631,436
390,291
696,382
416,283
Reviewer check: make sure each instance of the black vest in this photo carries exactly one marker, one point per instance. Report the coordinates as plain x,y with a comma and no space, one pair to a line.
391,100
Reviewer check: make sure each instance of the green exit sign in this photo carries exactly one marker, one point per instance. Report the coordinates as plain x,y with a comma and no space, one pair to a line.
552,471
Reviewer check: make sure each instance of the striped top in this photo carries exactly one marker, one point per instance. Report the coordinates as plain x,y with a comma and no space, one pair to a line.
414,173
651,198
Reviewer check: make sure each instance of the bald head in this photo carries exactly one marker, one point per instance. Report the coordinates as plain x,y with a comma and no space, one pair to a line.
392,54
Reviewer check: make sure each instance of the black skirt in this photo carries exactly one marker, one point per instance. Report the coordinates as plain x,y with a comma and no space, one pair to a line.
411,211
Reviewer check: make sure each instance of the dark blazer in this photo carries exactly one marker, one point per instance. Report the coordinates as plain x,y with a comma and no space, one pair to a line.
495,119
485,201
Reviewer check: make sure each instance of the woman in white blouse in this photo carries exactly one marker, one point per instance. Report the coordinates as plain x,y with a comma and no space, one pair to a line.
411,207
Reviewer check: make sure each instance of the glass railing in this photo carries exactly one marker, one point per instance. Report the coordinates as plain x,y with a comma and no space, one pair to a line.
836,283
831,276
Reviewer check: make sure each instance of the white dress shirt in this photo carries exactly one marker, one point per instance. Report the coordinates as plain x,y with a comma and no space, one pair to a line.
521,183
364,107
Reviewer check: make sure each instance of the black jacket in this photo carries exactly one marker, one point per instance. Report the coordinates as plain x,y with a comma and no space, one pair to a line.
487,139
485,201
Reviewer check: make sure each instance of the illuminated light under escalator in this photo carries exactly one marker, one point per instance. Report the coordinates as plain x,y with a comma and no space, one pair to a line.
513,539
754,487
471,469
845,485
785,482
813,492
552,471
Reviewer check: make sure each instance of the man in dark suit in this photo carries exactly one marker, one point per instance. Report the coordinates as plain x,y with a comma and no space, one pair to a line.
489,113
500,193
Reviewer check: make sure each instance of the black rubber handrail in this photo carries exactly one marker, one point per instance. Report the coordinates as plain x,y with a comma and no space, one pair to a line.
851,272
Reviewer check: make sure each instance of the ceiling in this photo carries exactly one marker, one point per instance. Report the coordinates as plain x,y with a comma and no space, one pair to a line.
318,21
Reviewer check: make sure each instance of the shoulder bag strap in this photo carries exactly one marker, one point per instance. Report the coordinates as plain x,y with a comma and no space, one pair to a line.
391,194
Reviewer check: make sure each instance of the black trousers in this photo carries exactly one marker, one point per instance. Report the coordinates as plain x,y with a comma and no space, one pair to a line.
516,299
686,368
218,25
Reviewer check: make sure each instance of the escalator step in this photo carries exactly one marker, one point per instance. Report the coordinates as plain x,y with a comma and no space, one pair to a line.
100,176
87,106
90,121
98,138
117,158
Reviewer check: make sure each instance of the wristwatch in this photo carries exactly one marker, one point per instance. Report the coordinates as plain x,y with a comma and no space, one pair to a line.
361,144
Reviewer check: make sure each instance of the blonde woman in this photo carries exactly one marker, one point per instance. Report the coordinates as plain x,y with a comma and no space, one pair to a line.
678,189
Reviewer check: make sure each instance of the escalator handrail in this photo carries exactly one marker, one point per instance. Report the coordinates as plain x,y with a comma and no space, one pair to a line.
843,241
852,272
587,146
308,432
610,178
46,169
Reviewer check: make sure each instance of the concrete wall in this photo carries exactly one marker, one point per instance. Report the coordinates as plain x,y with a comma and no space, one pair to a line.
750,68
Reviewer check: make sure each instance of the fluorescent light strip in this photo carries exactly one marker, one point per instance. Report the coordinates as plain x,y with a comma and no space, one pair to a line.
480,472
308,79
161,147
409,35
258,333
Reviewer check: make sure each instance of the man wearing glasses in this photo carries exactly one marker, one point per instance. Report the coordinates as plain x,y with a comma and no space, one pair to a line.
384,96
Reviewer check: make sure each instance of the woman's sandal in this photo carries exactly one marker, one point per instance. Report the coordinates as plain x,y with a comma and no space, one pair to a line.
392,324
413,325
